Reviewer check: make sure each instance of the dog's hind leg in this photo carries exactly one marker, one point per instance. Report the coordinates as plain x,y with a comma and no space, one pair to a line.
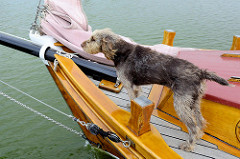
201,122
182,105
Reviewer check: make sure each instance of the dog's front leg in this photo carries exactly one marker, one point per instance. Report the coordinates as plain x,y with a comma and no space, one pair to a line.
133,90
137,91
132,93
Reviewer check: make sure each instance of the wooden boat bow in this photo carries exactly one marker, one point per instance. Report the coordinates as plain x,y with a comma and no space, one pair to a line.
150,144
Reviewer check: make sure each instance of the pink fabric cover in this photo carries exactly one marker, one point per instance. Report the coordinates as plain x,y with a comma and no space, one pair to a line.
65,20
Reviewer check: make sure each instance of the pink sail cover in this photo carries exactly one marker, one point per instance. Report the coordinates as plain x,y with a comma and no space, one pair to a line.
65,21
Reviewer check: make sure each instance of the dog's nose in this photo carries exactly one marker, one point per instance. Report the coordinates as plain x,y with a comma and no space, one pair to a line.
83,44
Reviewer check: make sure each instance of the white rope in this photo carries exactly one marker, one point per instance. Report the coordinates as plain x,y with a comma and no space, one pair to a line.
40,114
126,143
70,116
83,123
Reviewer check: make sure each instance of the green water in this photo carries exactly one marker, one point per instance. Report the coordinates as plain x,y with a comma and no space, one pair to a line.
208,24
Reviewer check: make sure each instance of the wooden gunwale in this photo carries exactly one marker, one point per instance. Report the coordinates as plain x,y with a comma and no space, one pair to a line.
81,110
150,144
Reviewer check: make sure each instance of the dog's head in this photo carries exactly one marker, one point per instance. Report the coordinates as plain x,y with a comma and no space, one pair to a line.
104,41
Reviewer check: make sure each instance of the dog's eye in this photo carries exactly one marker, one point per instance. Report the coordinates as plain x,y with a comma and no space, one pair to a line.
92,39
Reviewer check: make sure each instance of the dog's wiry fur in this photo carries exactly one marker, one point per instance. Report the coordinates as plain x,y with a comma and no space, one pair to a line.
137,65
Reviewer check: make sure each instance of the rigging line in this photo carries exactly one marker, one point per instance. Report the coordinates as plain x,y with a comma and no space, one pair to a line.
94,129
34,24
40,114
59,111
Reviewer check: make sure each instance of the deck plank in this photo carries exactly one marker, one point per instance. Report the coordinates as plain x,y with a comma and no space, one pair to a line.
161,122
189,155
178,134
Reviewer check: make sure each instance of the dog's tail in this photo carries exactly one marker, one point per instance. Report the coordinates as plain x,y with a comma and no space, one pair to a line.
213,77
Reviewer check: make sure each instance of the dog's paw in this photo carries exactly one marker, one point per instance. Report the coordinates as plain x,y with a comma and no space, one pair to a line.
186,146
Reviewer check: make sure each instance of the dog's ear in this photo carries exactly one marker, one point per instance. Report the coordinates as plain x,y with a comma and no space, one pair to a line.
107,42
108,48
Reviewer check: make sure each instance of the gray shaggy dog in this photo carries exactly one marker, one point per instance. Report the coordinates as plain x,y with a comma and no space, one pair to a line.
137,65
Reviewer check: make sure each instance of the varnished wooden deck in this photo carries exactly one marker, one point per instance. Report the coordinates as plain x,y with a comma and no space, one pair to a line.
172,134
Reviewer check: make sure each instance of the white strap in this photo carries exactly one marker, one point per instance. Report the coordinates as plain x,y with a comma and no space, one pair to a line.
42,54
